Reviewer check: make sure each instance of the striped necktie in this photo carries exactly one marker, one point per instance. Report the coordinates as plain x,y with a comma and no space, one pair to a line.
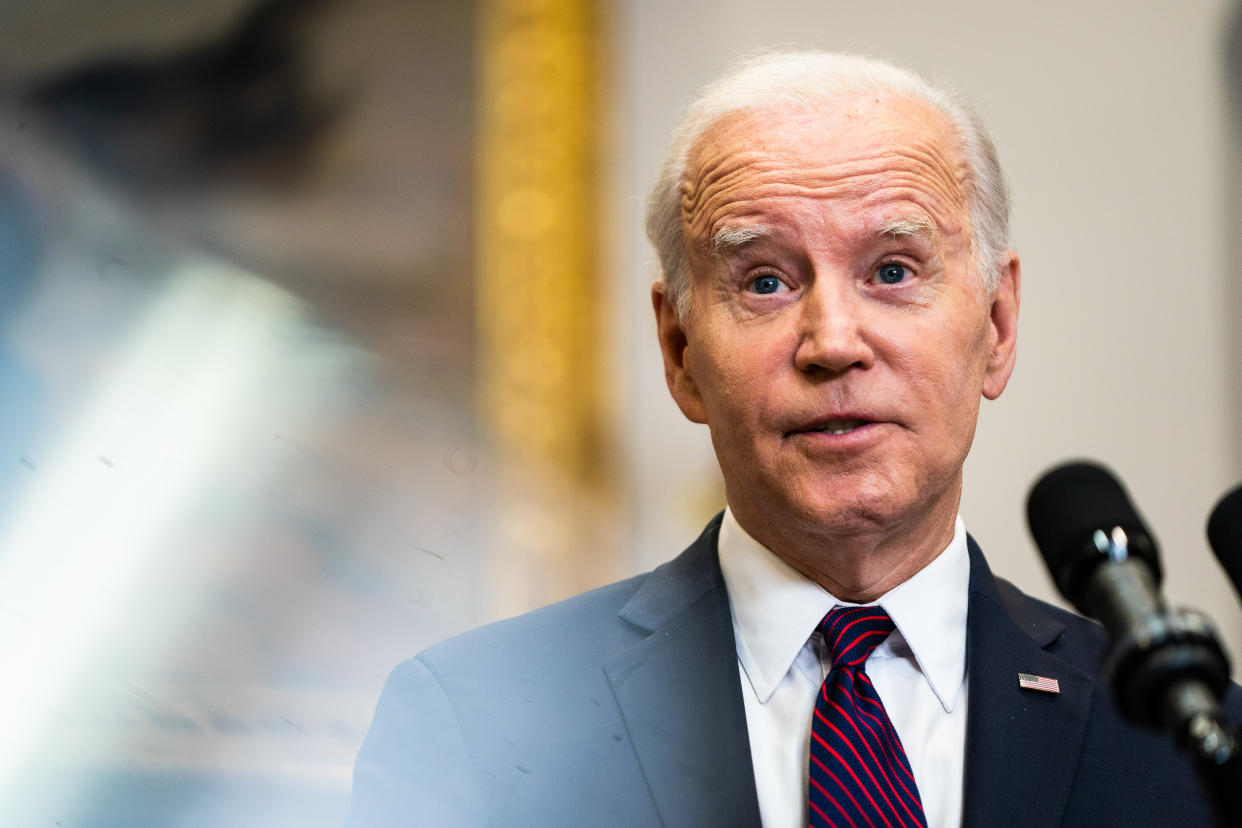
859,774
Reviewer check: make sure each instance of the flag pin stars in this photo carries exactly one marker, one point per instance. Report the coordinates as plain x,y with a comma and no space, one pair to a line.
1042,683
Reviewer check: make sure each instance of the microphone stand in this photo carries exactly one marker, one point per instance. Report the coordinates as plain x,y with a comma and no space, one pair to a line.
1204,735
1168,671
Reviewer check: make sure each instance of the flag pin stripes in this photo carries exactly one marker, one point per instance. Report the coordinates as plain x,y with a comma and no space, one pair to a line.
1042,683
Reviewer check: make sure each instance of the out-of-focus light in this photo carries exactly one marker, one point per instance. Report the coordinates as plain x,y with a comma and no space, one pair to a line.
195,368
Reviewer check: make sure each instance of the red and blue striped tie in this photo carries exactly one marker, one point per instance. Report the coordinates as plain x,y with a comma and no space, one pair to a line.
859,773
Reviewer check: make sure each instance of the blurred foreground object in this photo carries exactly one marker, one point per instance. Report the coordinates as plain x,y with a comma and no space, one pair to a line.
249,477
168,108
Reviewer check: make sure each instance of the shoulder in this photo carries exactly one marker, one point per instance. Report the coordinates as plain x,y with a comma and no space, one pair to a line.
519,717
584,631
1080,640
584,626
469,721
1058,631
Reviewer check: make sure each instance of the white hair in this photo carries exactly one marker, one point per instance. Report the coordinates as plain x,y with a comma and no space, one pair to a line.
813,79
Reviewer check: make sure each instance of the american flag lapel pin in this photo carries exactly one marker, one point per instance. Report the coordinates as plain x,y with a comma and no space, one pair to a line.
1042,683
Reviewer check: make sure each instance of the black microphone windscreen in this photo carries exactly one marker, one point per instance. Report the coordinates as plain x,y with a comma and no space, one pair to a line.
1225,535
1066,506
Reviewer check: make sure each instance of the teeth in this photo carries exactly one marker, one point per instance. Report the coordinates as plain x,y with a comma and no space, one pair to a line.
840,426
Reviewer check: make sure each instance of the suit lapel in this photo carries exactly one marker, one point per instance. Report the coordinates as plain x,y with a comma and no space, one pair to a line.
680,695
1022,745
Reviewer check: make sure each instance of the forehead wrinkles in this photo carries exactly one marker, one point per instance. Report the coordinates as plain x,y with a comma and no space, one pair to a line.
722,183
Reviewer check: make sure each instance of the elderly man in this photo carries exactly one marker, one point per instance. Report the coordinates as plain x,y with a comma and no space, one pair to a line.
838,294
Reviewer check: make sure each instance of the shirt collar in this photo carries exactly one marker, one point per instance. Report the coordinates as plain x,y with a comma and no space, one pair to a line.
776,608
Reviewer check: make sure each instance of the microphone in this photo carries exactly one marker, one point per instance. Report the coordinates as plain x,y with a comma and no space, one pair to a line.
1224,532
1167,668
1081,519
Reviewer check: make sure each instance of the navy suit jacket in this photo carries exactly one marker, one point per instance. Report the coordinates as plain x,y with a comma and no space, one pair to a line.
623,706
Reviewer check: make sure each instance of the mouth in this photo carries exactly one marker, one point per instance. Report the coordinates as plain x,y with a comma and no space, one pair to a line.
834,427
840,426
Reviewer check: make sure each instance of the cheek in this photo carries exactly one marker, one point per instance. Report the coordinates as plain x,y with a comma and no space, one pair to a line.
963,379
732,375
945,365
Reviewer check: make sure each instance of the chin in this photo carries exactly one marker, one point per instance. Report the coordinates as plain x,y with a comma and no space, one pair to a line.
834,510
849,518
854,504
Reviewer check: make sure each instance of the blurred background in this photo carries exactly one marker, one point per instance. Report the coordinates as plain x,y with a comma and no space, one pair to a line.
324,335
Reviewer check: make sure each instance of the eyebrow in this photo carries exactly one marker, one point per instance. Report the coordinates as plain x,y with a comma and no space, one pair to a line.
918,227
727,239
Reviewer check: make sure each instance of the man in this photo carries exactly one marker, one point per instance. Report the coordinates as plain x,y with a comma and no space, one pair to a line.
838,293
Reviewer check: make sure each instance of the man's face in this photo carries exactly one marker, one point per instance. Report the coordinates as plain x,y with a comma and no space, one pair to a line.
840,338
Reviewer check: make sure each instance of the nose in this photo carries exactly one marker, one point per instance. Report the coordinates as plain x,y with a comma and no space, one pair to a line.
832,335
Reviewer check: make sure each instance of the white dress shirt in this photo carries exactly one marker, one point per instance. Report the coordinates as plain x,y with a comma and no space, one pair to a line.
919,671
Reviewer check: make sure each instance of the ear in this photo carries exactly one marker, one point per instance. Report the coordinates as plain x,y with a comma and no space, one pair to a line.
1004,328
673,346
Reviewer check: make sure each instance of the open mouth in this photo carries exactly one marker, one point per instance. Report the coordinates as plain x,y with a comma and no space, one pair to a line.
839,426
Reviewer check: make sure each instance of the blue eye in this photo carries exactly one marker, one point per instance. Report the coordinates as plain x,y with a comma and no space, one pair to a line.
766,284
892,274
